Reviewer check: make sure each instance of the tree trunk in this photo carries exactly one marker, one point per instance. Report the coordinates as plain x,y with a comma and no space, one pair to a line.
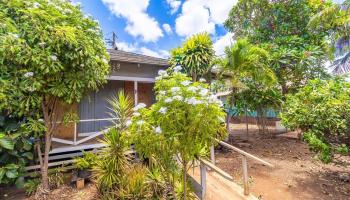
246,121
45,164
185,179
194,77
48,108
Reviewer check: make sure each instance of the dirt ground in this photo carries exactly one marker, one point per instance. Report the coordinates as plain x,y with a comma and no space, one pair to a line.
296,175
62,193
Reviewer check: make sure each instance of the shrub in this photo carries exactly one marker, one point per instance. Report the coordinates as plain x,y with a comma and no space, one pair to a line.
321,110
86,162
181,124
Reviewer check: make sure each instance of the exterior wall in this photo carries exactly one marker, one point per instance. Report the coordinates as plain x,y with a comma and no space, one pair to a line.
134,70
65,131
129,89
95,106
146,93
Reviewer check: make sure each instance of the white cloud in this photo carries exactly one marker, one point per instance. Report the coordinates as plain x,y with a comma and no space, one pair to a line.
202,15
127,47
139,23
222,42
174,5
167,29
219,11
149,52
193,19
142,50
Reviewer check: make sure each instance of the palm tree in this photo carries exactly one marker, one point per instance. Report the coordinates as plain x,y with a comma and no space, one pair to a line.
245,61
195,55
335,21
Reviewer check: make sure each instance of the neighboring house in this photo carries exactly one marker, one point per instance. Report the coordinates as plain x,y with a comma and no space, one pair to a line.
132,73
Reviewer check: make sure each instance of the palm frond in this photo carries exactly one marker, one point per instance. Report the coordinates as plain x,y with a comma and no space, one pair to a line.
342,65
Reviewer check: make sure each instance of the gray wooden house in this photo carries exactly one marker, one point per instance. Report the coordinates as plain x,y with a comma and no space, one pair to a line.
134,74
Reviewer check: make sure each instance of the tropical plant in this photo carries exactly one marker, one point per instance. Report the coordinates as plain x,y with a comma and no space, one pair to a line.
31,186
196,55
248,61
86,162
321,110
334,21
16,147
111,165
179,127
51,54
246,66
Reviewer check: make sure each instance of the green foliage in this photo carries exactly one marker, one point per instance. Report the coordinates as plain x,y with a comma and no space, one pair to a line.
111,163
121,109
31,186
56,177
321,110
196,55
183,122
16,146
86,162
135,184
245,61
334,21
49,48
281,28
49,53
6,142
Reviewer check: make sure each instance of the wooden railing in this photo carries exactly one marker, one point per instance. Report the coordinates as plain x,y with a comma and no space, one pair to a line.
204,164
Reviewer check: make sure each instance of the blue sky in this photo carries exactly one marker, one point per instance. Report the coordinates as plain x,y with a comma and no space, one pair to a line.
153,27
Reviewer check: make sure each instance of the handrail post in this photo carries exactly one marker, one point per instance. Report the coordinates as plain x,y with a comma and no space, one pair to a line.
212,154
75,132
203,172
245,175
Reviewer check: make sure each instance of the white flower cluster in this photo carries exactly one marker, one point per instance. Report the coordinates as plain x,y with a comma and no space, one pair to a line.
163,110
162,74
193,101
14,35
36,5
28,74
53,57
177,68
158,130
128,123
139,106
186,83
175,89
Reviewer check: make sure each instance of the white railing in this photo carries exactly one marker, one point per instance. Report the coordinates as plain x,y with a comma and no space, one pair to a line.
90,135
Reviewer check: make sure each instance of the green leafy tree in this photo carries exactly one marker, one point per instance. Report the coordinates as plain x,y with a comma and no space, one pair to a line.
280,27
246,66
196,55
180,126
334,21
321,110
52,54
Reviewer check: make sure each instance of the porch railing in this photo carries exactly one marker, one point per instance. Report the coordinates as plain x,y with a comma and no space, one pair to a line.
89,135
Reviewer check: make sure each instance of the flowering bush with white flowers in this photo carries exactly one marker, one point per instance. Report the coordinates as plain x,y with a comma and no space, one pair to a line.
183,121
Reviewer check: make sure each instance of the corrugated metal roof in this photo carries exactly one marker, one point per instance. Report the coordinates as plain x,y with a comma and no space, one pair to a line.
123,56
